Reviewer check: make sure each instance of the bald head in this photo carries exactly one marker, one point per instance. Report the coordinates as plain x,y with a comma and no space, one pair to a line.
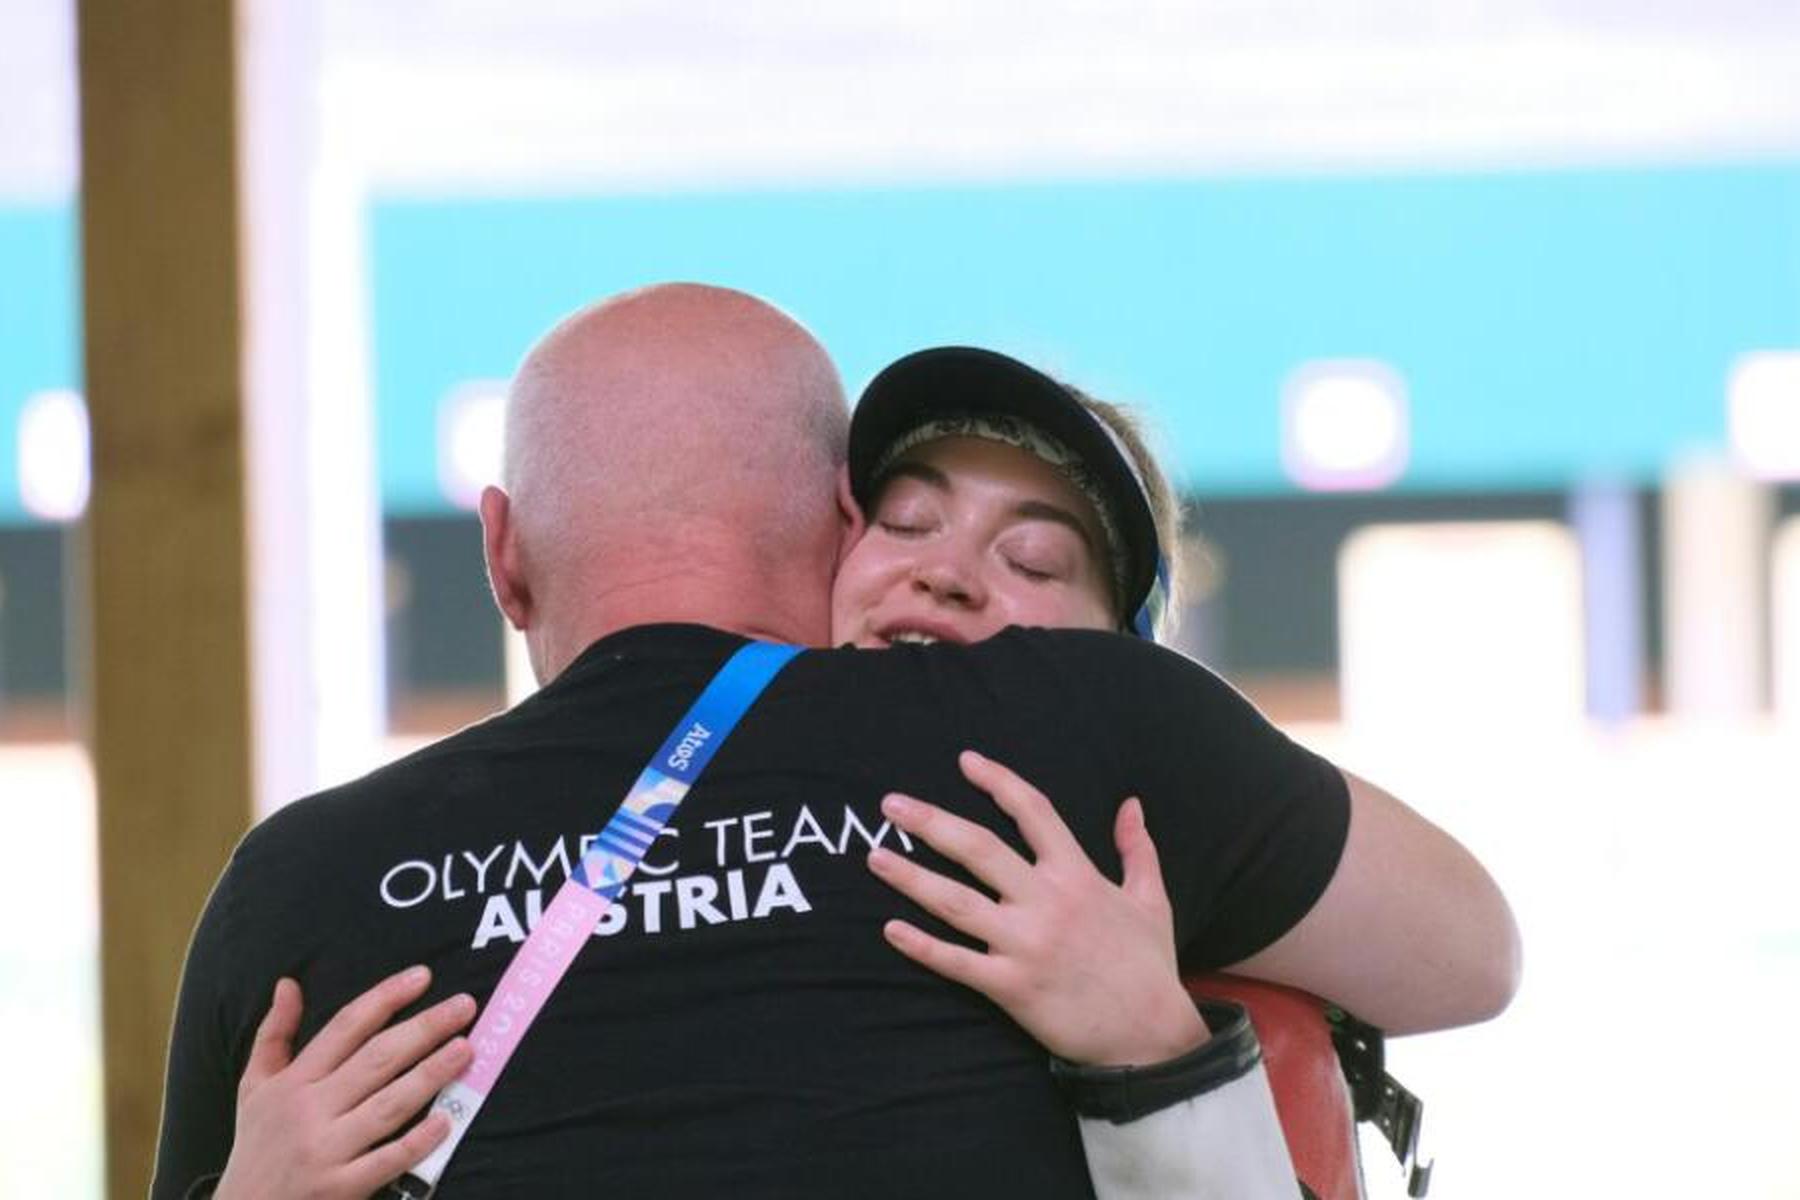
671,452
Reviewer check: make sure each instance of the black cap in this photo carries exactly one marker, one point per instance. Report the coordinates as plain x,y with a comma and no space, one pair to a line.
963,381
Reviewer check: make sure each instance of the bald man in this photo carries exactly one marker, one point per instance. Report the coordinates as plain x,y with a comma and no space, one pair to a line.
739,1026
671,455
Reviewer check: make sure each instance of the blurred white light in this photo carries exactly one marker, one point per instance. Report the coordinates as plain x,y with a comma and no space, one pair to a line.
1784,623
53,455
521,681
1715,542
1464,624
1344,426
471,425
1763,399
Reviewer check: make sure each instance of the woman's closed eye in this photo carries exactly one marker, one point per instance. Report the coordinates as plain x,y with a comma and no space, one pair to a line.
1035,574
907,512
1042,554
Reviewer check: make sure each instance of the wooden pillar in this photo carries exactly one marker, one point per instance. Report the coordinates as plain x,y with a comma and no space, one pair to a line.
165,564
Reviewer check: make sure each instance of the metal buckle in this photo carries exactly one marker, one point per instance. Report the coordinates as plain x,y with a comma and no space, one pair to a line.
407,1187
1378,1097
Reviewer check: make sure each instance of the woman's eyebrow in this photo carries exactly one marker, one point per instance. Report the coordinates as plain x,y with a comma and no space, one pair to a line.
1040,510
928,475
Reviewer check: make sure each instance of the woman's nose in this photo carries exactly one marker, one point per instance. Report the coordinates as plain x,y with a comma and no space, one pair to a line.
949,579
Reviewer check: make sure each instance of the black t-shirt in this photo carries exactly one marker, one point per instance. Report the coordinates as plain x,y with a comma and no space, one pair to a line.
738,1026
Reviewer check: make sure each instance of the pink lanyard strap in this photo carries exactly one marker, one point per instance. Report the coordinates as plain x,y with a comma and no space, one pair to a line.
539,965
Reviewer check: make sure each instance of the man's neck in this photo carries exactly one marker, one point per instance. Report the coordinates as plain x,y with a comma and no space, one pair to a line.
685,596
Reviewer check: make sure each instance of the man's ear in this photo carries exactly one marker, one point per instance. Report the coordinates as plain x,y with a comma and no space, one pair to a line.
500,548
850,513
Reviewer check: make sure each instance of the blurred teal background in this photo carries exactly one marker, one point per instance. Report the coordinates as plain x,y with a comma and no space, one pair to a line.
1551,326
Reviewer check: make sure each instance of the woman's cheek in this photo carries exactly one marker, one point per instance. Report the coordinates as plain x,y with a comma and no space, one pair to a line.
850,593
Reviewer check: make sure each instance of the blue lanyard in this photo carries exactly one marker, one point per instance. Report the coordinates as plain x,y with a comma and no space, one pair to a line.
684,754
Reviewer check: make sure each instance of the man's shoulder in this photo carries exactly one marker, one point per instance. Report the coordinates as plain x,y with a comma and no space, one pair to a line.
386,794
1096,655
1019,647
1052,678
1083,643
530,744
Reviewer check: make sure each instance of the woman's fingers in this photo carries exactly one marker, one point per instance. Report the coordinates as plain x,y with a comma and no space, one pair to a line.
391,1052
1143,880
974,847
393,1106
972,968
273,1048
319,1126
957,904
355,1023
388,1161
1031,810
